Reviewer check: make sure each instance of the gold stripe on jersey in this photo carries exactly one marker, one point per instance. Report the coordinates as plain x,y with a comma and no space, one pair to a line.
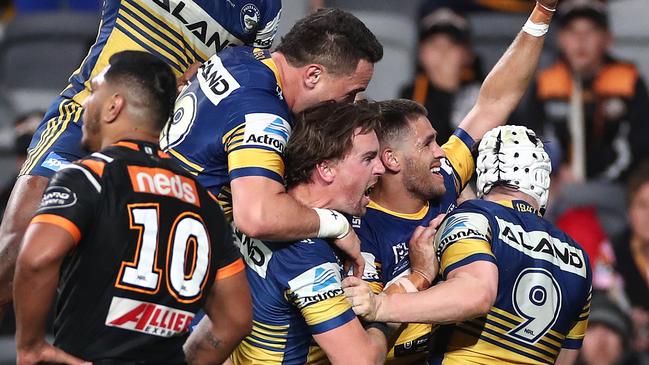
239,130
578,330
159,43
184,160
316,356
69,111
225,200
256,157
325,310
146,19
171,24
497,346
459,155
375,286
462,249
247,354
413,216
478,323
134,34
271,65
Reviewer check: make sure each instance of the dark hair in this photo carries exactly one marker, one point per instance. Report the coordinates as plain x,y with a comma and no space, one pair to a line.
333,38
325,132
149,78
637,179
394,117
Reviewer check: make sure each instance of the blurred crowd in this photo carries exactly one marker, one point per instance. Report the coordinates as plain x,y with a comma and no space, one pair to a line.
591,108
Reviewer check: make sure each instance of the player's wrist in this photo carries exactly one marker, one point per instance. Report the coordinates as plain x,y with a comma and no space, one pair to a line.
421,280
332,224
539,21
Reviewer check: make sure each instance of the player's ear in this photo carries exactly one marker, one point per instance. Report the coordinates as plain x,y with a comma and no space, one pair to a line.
390,160
326,171
114,107
313,75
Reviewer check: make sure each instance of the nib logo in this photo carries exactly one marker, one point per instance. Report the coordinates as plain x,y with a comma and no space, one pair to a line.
150,318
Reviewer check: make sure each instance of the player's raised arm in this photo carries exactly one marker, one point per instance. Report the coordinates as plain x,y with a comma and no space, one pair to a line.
505,85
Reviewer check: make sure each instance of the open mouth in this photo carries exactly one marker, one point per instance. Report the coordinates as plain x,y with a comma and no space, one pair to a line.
435,169
369,189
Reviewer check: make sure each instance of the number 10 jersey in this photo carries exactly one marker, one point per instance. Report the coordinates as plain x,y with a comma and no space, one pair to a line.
150,242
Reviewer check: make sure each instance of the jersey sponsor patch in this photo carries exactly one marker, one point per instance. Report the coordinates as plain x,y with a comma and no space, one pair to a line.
462,226
150,318
266,36
163,182
215,80
58,197
316,284
256,254
200,29
540,245
54,162
268,130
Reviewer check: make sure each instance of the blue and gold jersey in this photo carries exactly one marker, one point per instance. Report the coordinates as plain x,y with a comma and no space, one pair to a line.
296,291
231,121
180,32
544,285
385,234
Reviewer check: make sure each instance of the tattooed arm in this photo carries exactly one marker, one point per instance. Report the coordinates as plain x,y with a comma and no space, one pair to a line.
229,309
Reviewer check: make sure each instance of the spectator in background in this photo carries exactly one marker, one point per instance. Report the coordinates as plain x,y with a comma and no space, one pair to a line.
632,253
595,105
608,337
448,74
24,128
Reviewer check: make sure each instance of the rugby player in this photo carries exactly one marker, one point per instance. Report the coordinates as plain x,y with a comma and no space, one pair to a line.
332,161
134,243
179,32
515,289
423,180
233,120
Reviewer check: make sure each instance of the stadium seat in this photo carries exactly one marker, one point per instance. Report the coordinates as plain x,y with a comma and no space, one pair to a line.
398,37
38,54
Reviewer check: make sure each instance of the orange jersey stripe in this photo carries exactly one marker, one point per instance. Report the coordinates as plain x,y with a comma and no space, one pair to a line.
227,271
130,145
96,166
59,222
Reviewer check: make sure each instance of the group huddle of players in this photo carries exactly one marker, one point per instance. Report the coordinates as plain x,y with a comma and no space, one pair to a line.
136,238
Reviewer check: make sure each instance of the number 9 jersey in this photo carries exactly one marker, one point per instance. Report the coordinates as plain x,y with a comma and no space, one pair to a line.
544,285
150,242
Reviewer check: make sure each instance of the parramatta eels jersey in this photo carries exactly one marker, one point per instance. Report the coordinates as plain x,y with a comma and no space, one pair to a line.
385,234
544,285
180,32
150,242
296,291
231,121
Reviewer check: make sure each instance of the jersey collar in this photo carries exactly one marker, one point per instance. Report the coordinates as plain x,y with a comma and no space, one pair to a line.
519,205
268,61
412,216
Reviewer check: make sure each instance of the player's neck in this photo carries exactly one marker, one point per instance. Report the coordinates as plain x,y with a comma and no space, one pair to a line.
287,78
390,193
134,134
310,195
499,194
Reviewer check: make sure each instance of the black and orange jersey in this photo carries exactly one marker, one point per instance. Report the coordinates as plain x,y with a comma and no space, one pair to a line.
615,103
150,242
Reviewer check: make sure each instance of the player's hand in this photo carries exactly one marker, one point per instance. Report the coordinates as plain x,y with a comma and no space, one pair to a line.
364,302
550,4
182,81
351,246
421,249
46,353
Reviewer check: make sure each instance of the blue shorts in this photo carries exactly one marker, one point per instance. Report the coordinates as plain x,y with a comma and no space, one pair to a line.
57,140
